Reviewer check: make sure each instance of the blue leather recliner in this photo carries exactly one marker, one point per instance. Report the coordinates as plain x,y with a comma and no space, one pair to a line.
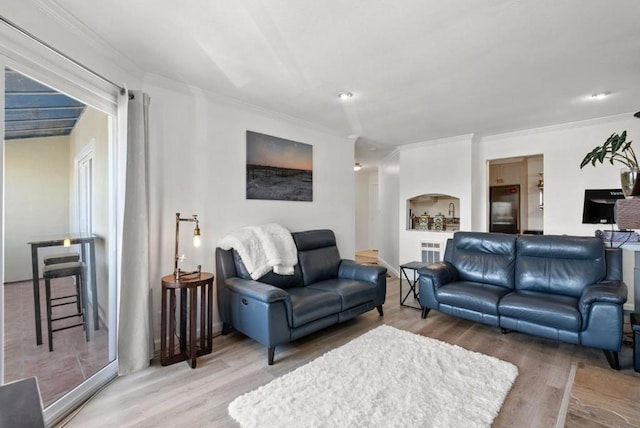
323,291
564,288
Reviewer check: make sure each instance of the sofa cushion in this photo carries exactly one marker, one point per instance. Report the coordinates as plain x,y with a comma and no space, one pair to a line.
486,258
308,304
352,293
472,295
318,255
280,281
550,310
562,265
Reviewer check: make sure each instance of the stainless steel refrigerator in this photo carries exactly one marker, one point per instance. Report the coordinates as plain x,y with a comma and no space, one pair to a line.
504,206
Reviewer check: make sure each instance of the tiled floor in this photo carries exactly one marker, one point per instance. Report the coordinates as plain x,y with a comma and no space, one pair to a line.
73,359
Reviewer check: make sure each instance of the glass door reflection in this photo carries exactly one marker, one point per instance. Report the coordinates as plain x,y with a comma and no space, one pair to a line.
51,189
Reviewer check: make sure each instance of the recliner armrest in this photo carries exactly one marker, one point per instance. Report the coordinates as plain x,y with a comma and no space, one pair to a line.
440,273
256,290
606,291
349,269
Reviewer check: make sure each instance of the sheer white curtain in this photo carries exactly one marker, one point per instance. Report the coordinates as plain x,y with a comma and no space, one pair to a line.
135,338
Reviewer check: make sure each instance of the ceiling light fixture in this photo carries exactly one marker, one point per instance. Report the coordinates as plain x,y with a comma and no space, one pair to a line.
345,95
600,96
357,166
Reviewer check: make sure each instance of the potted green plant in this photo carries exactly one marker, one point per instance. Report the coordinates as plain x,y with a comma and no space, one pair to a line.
618,149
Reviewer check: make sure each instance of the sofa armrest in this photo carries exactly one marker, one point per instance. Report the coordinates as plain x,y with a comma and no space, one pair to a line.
614,292
373,274
431,278
440,273
351,270
256,290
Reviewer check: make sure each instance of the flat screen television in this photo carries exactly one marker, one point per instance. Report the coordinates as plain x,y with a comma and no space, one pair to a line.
599,205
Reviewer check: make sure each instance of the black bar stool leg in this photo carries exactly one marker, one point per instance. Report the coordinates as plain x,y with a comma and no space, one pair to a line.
47,287
79,303
85,313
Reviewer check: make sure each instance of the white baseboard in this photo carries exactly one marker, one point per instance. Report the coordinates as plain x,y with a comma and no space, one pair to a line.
382,262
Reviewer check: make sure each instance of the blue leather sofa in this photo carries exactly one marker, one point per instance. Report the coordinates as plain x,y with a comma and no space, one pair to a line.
565,288
277,309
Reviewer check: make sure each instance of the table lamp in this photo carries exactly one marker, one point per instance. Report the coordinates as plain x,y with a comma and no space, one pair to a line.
196,243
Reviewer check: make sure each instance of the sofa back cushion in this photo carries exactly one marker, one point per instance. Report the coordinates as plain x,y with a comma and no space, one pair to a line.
280,281
562,265
318,255
483,257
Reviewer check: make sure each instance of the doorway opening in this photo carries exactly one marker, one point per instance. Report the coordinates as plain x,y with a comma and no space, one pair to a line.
57,162
516,195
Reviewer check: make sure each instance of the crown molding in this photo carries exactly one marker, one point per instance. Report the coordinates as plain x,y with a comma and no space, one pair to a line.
558,127
448,140
64,19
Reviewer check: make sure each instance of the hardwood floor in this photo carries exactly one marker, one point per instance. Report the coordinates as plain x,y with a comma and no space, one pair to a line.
180,396
600,398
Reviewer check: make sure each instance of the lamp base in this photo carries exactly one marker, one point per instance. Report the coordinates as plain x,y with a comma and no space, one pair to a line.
180,273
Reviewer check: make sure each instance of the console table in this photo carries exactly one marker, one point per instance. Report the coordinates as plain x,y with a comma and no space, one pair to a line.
635,247
84,240
196,295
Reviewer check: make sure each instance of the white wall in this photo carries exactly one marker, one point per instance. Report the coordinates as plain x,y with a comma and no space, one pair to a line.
563,148
361,179
535,217
366,183
36,181
92,128
389,200
444,167
197,159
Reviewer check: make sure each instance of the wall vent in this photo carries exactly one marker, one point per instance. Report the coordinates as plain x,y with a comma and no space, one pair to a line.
431,251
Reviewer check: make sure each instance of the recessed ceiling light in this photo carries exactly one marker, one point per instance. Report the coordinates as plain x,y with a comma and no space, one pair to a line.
600,96
345,95
357,166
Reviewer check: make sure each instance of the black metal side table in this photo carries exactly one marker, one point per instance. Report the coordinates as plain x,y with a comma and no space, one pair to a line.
413,266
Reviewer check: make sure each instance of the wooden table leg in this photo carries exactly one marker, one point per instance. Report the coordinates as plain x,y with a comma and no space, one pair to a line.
193,309
183,320
172,322
209,347
163,327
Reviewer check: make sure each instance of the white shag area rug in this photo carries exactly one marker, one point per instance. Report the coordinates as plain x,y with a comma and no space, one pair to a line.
384,378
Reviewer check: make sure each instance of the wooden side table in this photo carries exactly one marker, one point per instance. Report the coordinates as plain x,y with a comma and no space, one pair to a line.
196,295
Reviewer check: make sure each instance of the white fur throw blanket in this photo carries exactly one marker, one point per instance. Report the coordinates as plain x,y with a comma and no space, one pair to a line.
263,248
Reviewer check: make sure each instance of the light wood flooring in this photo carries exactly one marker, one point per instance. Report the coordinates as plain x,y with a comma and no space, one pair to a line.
180,396
602,398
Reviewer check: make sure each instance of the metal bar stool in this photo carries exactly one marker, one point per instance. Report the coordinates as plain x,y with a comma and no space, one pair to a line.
65,257
62,270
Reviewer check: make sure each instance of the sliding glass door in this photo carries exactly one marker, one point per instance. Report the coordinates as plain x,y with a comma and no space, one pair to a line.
59,197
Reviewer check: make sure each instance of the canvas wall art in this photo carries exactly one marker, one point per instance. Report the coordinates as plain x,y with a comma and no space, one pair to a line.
278,169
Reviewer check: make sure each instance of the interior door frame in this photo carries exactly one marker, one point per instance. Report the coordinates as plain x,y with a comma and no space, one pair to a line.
84,191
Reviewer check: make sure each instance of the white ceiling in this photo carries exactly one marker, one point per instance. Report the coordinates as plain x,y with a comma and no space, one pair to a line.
419,69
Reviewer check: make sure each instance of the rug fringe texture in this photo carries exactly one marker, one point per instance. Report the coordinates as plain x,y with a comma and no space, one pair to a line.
388,378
